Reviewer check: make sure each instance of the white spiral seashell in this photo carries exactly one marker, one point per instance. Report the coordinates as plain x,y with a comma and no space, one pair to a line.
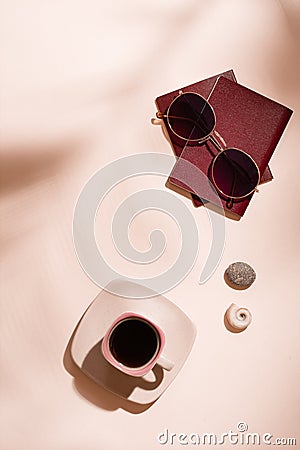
238,318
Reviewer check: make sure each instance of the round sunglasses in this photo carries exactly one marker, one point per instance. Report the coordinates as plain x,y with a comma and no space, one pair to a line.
234,172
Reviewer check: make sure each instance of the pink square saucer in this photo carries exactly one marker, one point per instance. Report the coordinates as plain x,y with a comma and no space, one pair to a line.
86,351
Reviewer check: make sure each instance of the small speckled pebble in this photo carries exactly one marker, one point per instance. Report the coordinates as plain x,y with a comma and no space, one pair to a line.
239,275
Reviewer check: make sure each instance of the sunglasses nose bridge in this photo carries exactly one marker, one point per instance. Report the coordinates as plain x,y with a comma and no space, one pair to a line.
214,141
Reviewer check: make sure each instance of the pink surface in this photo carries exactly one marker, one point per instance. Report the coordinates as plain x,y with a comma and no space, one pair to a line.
78,83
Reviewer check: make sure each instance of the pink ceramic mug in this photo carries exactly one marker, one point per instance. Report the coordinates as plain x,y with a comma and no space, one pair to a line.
134,344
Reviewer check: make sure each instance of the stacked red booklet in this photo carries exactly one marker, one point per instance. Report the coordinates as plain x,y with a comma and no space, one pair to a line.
245,120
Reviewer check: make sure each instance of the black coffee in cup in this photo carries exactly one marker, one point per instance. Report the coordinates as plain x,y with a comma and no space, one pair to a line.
134,342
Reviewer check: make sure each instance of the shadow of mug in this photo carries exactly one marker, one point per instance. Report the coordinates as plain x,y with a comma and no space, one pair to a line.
96,366
96,372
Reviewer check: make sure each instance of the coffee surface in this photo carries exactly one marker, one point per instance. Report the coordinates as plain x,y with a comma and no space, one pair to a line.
134,342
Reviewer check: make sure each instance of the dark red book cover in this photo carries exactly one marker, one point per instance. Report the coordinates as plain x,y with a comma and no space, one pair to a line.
203,88
246,120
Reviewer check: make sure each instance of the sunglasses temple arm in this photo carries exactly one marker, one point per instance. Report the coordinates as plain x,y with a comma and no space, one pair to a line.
229,202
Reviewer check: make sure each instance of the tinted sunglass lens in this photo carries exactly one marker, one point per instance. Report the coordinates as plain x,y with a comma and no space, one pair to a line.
235,173
191,117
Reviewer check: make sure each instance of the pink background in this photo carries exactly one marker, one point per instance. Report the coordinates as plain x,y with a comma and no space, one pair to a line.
78,83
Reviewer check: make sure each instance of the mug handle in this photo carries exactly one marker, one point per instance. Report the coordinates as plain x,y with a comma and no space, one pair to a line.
165,363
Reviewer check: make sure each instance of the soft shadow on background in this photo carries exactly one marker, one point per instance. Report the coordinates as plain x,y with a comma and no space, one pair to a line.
287,60
24,166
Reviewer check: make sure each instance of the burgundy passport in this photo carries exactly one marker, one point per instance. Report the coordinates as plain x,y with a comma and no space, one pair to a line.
246,120
203,88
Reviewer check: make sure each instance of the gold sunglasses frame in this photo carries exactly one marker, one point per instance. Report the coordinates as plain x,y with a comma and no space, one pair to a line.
211,136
